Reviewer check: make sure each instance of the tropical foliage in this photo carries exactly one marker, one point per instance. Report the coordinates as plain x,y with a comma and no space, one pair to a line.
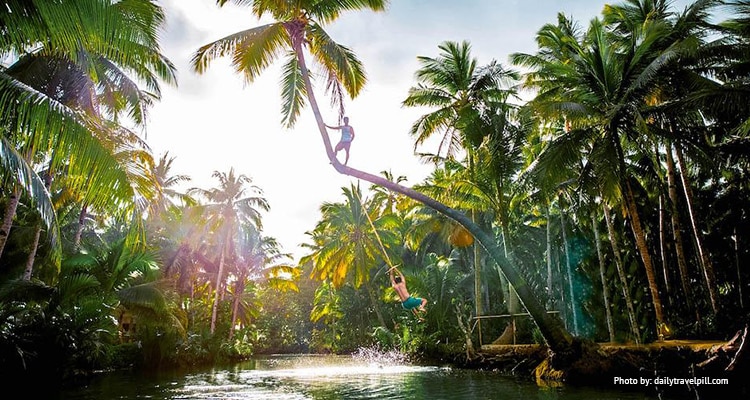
626,170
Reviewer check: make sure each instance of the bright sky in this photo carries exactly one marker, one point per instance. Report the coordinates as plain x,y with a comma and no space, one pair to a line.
213,122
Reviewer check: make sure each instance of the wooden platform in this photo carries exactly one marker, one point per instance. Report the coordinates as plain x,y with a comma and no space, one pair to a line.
695,345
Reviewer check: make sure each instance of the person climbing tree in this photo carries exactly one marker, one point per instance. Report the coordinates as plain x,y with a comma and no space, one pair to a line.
415,304
347,135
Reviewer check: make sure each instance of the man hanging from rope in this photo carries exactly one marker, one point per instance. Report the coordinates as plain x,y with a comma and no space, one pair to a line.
415,304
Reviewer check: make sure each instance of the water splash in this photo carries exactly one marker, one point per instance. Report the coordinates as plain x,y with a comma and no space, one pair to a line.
377,356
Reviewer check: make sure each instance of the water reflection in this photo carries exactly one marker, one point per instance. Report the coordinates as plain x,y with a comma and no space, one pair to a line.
329,378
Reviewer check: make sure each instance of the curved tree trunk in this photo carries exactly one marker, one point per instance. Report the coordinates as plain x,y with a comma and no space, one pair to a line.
551,328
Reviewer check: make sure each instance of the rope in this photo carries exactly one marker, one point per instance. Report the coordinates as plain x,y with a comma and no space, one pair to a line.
377,236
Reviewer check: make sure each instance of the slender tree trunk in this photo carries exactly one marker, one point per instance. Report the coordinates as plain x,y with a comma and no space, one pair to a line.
662,231
477,289
79,229
708,269
551,328
640,241
219,285
10,212
239,289
568,270
32,254
464,326
550,292
663,244
509,334
602,276
736,240
619,265
677,229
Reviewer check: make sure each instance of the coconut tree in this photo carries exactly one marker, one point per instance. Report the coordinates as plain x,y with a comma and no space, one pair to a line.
460,92
298,28
685,35
229,206
258,258
600,89
82,56
352,238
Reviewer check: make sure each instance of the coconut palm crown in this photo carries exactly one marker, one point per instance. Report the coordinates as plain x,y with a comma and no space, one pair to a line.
298,26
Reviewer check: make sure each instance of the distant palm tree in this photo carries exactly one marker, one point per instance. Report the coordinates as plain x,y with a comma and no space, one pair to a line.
168,193
460,91
230,205
258,259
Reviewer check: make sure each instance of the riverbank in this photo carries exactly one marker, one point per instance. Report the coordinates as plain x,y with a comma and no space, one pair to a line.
677,368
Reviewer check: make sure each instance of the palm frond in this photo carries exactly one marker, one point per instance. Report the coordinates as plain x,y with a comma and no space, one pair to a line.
14,168
293,91
339,60
252,50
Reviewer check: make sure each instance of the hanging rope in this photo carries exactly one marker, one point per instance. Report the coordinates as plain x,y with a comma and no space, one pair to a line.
377,236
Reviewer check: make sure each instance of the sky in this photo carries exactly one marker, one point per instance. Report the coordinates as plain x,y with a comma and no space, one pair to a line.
216,121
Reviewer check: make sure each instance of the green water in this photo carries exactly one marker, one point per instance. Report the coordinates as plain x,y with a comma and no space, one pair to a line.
331,377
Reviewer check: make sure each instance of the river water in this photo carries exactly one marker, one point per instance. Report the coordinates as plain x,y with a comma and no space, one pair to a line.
298,377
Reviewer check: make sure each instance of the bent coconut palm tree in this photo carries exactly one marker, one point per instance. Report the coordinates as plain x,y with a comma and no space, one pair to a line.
296,29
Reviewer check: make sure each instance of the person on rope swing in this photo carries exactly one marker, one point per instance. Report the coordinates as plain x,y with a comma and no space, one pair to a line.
408,302
347,135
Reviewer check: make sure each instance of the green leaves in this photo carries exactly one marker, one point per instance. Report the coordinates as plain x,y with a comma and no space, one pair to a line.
298,27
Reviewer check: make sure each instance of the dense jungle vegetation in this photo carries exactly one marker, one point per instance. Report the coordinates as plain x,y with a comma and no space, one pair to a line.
618,194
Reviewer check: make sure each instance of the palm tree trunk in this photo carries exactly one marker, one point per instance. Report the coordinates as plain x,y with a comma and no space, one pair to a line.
79,228
549,256
736,240
10,212
602,276
677,229
708,269
219,285
663,244
640,241
477,286
621,274
568,270
466,331
238,290
32,254
551,328
662,232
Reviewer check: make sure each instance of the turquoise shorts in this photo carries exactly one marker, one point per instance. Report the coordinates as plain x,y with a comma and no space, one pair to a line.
411,303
